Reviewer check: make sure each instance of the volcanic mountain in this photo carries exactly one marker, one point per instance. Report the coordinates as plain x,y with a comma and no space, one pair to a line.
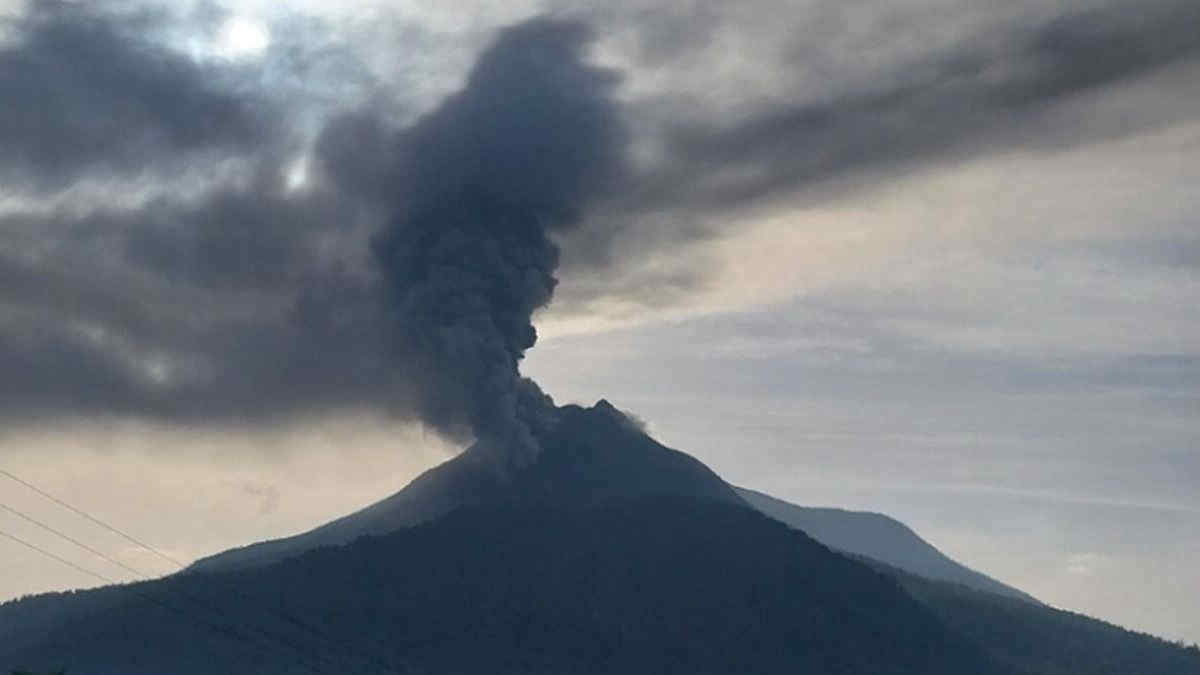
608,554
595,455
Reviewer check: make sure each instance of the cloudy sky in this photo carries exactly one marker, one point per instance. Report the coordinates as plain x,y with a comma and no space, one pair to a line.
934,258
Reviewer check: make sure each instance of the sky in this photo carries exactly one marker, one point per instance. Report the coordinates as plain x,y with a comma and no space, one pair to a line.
937,259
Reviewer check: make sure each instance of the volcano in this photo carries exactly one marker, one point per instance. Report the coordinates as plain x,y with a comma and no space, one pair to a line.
609,553
596,455
592,456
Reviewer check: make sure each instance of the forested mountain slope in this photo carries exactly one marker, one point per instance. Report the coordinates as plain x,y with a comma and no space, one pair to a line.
648,585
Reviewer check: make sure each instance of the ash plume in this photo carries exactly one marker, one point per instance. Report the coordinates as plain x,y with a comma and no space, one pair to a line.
175,247
484,181
243,298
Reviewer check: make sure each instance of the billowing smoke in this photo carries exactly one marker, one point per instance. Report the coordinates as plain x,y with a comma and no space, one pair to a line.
173,246
268,304
483,182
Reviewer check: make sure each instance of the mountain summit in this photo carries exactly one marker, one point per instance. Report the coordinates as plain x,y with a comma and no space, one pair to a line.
590,456
595,455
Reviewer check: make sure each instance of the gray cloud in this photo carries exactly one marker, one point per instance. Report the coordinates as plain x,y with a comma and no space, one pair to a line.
90,91
723,149
249,298
994,88
253,298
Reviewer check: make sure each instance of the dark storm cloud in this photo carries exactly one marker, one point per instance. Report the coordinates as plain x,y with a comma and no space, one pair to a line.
251,238
226,300
250,298
1010,85
83,338
247,298
995,88
85,91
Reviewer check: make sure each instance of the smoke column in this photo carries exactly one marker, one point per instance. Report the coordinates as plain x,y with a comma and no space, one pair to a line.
485,180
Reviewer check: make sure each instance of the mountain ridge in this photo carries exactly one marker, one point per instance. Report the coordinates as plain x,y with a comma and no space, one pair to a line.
610,554
663,584
595,453
877,537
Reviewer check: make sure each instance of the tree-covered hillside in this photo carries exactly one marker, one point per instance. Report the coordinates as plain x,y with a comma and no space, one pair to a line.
661,585
1042,640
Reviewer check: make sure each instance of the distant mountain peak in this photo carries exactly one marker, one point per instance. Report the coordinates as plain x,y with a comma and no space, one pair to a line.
879,538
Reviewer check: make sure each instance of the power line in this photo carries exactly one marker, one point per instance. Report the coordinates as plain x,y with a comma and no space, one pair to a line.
114,561
62,560
217,628
93,519
331,642
71,539
104,556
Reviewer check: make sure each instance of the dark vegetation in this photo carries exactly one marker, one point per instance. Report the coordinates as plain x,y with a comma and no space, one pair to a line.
653,585
1042,640
609,554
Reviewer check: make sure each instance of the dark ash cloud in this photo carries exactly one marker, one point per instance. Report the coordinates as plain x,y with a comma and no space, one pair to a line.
254,299
1007,86
485,180
992,89
405,271
89,91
